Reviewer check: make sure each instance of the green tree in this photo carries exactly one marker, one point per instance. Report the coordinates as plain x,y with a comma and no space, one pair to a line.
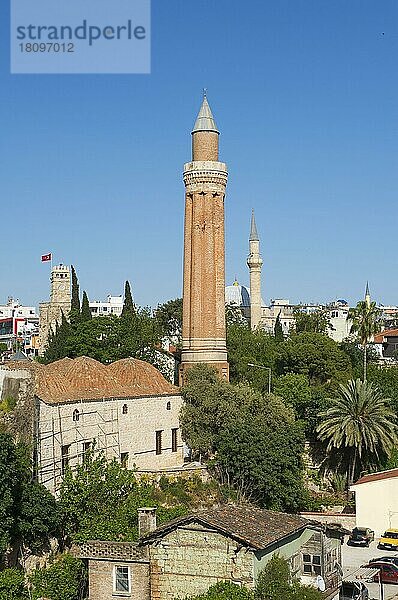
58,341
75,301
275,582
360,423
100,500
251,347
28,512
386,379
253,441
37,515
224,590
85,312
65,579
314,322
365,323
12,585
128,306
260,455
9,486
278,330
169,317
315,355
209,404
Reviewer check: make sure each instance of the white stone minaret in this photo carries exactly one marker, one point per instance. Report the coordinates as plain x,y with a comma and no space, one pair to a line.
255,263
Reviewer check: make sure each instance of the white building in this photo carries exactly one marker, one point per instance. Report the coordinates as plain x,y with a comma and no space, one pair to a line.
113,305
18,324
238,296
125,409
376,501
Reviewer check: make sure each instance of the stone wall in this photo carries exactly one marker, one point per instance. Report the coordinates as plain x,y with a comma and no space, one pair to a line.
345,520
17,384
120,427
191,558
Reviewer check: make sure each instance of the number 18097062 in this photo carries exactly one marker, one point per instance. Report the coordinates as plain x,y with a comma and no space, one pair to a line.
47,47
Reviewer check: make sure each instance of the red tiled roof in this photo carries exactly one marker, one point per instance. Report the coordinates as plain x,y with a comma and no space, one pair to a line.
377,476
84,378
378,339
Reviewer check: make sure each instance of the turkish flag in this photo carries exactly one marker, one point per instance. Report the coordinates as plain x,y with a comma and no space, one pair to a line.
46,257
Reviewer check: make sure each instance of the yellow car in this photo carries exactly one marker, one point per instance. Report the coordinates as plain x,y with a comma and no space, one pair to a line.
389,540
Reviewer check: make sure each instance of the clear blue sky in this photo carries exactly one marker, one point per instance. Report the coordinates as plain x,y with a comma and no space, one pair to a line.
305,94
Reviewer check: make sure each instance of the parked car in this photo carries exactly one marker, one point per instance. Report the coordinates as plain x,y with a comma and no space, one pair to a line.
389,559
389,540
361,536
388,572
353,590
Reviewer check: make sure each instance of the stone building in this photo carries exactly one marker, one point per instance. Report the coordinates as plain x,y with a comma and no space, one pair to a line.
233,543
125,409
205,179
60,300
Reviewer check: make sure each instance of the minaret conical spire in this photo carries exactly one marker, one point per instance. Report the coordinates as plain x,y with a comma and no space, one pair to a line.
253,229
205,120
367,295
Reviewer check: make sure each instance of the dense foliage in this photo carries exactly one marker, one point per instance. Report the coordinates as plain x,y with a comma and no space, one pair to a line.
100,500
361,424
65,579
255,443
28,512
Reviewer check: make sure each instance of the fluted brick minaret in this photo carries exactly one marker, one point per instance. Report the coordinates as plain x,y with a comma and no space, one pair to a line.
255,263
205,179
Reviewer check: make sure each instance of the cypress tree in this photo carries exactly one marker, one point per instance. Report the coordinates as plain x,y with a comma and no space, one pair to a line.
75,303
86,312
278,330
58,339
128,306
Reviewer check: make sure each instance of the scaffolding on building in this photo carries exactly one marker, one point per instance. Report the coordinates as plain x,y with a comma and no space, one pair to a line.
82,430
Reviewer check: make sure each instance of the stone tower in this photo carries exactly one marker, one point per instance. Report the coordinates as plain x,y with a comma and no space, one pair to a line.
255,263
60,300
205,179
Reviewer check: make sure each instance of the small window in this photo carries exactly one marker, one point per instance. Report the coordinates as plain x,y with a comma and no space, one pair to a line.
168,406
124,409
174,440
64,458
76,415
159,442
122,580
312,564
124,459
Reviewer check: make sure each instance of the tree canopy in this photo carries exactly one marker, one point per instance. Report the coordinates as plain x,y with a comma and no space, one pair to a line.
247,436
28,512
361,423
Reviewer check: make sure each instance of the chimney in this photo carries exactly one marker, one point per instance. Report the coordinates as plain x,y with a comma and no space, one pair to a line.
146,521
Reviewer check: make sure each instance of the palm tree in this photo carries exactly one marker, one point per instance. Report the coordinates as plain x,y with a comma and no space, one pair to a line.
360,423
365,323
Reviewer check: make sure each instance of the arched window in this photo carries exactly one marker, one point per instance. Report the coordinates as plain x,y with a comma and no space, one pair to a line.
168,406
124,409
76,415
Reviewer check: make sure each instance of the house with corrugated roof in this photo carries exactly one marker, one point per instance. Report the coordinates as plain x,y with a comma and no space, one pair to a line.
126,409
184,557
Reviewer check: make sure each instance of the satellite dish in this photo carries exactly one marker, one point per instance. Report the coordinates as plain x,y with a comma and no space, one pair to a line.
321,583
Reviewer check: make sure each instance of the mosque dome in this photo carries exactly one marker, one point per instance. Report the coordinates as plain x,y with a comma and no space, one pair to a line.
237,294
